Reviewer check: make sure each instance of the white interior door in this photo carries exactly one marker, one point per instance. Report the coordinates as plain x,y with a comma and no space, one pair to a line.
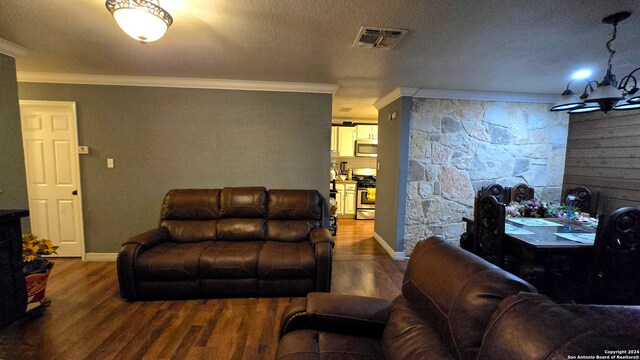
49,138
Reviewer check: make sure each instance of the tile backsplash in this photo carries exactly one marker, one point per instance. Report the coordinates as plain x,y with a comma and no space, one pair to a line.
357,162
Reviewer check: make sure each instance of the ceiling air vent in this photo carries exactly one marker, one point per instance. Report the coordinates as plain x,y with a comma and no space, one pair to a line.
371,37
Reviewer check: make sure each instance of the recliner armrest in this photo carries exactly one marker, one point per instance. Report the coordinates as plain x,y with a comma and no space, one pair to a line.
150,238
347,314
321,235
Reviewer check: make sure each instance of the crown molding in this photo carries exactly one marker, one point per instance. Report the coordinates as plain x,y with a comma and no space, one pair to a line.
10,49
463,95
172,82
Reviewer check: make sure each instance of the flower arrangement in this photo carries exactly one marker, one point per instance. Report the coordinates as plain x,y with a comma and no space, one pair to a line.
33,248
529,208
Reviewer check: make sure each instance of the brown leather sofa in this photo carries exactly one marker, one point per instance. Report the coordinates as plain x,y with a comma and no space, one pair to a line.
238,241
454,305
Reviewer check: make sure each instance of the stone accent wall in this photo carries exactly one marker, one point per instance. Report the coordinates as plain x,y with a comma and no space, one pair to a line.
458,146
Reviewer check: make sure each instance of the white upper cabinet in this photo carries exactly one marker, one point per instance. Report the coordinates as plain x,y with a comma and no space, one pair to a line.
346,141
334,139
367,132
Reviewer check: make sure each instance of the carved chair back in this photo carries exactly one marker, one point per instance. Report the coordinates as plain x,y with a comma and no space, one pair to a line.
615,277
489,229
496,190
521,192
583,199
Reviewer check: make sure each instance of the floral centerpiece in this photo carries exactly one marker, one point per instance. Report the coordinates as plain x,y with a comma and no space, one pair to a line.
529,208
32,251
36,269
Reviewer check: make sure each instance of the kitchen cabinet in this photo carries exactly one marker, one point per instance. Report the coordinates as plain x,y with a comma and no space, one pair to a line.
346,199
367,132
334,139
346,141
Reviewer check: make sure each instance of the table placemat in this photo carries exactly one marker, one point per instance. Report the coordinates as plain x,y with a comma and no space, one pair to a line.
584,238
514,230
533,222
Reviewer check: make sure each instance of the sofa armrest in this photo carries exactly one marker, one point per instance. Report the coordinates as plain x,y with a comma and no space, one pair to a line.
150,238
319,235
127,256
346,314
322,243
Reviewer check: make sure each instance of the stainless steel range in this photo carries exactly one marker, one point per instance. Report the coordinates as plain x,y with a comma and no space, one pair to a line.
365,193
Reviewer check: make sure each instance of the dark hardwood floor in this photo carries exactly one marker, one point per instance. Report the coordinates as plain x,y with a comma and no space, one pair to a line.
87,318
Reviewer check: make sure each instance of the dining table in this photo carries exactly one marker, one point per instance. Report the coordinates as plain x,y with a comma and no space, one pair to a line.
547,246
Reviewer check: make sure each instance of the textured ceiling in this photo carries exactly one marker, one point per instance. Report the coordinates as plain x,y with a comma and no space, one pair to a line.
508,46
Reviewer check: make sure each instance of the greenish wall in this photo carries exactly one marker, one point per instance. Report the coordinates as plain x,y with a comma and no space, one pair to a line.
393,157
165,138
13,184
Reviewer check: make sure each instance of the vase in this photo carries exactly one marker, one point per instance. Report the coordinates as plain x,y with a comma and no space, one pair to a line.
36,286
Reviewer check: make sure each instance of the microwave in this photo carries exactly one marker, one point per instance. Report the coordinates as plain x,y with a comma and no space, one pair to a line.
366,148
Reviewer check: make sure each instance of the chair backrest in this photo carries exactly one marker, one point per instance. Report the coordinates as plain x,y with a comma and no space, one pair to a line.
292,214
521,192
489,221
456,293
498,191
615,277
191,215
583,199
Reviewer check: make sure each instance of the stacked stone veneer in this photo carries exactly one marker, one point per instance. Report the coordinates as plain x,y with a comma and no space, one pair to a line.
458,146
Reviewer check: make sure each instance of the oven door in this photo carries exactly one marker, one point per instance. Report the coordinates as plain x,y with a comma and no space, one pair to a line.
363,200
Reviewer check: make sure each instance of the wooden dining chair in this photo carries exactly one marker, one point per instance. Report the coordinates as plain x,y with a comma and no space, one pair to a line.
582,198
615,275
489,234
498,191
521,192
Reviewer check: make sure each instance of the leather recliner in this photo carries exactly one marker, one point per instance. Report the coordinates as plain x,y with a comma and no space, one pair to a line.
238,241
454,305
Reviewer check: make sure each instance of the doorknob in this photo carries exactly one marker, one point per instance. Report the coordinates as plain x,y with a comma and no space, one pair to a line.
74,192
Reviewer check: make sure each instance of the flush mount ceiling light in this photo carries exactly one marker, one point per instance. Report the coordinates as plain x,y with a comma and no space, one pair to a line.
607,94
143,20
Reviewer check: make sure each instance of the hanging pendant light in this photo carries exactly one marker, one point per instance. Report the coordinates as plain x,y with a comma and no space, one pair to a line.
607,95
143,20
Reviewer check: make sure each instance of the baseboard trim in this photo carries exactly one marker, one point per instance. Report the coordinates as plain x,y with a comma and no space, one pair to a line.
106,257
395,255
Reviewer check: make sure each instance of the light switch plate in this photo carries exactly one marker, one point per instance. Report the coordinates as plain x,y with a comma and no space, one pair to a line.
83,150
110,163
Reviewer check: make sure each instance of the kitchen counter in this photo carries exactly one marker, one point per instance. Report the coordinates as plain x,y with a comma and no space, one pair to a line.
346,181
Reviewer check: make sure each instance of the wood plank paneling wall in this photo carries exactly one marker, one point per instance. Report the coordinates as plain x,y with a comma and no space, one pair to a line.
603,154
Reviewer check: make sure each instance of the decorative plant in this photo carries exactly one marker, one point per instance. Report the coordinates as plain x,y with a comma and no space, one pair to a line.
33,248
529,208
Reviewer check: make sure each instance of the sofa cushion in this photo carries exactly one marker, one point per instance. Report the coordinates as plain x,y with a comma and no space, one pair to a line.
241,229
191,231
456,292
290,230
530,326
295,205
191,204
409,336
284,260
244,202
170,261
230,260
318,345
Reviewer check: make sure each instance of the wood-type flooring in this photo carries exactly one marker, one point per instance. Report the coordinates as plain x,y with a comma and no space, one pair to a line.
87,319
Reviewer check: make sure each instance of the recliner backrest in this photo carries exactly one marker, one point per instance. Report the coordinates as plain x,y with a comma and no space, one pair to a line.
191,215
243,213
456,292
292,214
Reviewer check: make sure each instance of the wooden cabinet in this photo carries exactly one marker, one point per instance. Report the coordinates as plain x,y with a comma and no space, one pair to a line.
334,139
350,199
346,199
367,132
346,141
13,289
